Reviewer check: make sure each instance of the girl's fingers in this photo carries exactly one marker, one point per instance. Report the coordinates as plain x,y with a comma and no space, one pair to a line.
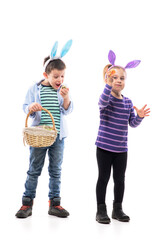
147,113
147,110
144,106
135,108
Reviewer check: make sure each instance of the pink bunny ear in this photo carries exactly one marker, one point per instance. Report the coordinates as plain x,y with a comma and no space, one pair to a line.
111,57
133,64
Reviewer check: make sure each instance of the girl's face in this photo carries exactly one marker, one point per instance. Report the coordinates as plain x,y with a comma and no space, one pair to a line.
55,78
118,78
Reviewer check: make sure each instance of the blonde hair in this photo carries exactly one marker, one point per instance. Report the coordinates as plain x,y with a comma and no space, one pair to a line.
105,70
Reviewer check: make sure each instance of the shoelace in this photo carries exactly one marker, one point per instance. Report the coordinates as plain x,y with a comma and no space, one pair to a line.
24,207
59,207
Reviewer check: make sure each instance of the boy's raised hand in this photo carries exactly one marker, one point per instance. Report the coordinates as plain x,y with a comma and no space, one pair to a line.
64,92
34,107
143,112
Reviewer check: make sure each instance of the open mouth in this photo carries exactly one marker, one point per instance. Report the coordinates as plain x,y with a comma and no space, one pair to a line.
58,85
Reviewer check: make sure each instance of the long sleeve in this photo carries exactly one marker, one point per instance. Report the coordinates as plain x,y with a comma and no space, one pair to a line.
105,97
115,116
70,108
30,98
134,121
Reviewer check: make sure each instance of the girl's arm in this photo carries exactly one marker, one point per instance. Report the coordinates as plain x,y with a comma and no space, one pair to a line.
143,112
105,96
134,120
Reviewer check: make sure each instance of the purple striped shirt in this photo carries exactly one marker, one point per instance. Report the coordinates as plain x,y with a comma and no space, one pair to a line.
115,115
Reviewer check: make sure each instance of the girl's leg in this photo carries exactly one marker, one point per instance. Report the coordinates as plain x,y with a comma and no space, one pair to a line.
37,157
119,168
104,160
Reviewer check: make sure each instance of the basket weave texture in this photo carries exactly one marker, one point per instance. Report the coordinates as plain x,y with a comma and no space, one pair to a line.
39,136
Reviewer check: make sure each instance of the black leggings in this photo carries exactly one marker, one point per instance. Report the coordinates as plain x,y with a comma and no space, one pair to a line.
106,160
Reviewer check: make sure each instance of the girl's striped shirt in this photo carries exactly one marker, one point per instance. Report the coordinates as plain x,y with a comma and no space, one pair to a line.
115,115
49,100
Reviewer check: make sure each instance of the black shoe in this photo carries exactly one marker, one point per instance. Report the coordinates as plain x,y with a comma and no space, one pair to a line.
56,210
26,209
101,215
118,213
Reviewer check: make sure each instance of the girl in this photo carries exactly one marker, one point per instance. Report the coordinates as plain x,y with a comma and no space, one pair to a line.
116,112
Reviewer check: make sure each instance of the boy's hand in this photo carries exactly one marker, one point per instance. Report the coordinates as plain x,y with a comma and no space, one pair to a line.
143,112
34,107
64,92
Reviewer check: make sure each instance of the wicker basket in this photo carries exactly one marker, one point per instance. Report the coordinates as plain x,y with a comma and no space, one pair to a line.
38,136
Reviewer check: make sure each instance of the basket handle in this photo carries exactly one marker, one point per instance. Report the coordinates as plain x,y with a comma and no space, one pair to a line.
26,122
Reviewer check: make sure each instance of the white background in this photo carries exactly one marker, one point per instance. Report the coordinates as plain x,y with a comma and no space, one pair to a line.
28,31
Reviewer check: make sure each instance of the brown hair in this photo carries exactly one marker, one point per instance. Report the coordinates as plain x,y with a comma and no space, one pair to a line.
54,64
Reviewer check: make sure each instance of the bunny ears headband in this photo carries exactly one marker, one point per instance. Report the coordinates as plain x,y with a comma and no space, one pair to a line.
112,58
53,56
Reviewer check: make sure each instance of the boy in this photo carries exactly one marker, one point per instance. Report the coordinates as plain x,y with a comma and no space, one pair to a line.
49,94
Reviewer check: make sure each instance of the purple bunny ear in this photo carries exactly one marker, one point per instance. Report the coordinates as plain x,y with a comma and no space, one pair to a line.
133,64
111,57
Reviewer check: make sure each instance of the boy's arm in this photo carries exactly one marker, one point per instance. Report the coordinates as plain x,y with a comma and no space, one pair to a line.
66,101
30,104
28,100
67,105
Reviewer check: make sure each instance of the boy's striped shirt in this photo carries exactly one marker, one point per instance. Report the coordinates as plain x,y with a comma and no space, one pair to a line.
49,100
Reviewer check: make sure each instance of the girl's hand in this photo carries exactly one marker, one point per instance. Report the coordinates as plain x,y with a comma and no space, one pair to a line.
143,112
109,77
34,107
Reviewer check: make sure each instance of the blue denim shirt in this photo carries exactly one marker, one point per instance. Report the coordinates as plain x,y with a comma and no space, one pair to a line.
33,95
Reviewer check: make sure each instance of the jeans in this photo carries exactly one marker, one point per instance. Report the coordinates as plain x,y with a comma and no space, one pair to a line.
37,159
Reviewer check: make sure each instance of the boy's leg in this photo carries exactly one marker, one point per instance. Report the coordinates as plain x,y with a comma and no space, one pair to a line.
55,154
37,157
55,161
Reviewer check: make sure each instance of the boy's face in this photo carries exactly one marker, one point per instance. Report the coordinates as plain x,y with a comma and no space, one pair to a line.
55,78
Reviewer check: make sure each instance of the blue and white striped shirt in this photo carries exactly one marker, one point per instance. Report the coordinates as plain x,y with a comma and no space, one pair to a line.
49,100
33,95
